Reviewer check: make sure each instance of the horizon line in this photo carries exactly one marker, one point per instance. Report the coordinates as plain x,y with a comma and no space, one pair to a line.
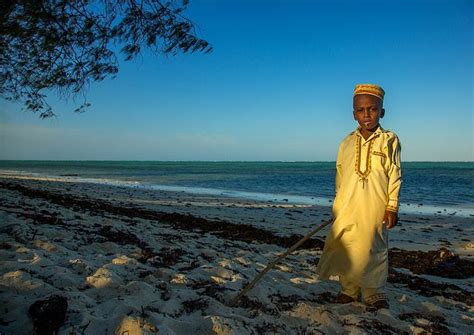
206,161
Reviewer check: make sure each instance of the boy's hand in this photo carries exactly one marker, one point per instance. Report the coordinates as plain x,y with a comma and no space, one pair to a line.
390,219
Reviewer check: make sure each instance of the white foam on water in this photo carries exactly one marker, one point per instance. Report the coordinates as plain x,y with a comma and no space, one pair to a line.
286,198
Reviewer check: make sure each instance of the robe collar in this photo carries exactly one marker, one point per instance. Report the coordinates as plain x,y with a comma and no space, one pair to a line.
376,133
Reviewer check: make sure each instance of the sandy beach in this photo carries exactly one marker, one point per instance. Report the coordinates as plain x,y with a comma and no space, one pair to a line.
147,261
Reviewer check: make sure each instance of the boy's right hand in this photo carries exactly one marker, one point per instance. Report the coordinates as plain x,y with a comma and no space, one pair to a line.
390,219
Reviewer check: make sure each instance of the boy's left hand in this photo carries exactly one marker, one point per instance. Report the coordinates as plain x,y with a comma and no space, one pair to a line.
390,219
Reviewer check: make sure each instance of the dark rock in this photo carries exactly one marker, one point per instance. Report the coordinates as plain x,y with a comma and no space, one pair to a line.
48,315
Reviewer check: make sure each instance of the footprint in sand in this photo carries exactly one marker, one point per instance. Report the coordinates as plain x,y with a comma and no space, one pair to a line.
80,267
137,325
103,278
45,245
20,281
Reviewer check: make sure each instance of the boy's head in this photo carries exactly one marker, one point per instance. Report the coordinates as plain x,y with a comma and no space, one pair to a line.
368,106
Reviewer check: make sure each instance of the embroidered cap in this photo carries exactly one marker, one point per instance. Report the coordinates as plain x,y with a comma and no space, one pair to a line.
369,89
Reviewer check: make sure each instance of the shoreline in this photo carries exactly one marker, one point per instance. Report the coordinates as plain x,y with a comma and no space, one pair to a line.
290,199
124,256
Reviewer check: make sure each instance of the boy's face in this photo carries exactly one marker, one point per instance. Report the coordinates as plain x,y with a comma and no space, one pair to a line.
368,110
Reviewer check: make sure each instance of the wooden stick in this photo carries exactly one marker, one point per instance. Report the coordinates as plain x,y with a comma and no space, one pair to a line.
277,260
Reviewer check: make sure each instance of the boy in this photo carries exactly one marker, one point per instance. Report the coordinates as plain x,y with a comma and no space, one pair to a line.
367,185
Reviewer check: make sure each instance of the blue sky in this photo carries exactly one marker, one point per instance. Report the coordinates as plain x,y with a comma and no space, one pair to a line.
278,86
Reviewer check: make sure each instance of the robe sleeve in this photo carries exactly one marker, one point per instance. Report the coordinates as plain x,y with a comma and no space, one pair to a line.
339,168
394,175
337,199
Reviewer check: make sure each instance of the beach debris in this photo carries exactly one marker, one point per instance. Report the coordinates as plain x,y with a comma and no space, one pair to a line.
270,328
118,236
220,228
209,288
378,327
48,315
285,303
324,298
442,263
429,288
5,245
43,217
168,257
110,234
191,306
256,307
432,324
165,291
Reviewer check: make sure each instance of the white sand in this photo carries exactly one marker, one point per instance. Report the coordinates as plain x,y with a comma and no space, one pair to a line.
111,290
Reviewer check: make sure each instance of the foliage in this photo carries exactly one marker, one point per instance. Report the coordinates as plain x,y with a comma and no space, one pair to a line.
62,46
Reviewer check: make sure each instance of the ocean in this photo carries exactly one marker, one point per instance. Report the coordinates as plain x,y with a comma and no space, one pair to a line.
441,188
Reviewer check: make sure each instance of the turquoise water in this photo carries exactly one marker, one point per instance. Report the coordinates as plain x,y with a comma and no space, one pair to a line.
436,184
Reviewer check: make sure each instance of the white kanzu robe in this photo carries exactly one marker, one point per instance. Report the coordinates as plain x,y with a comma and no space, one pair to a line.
367,183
